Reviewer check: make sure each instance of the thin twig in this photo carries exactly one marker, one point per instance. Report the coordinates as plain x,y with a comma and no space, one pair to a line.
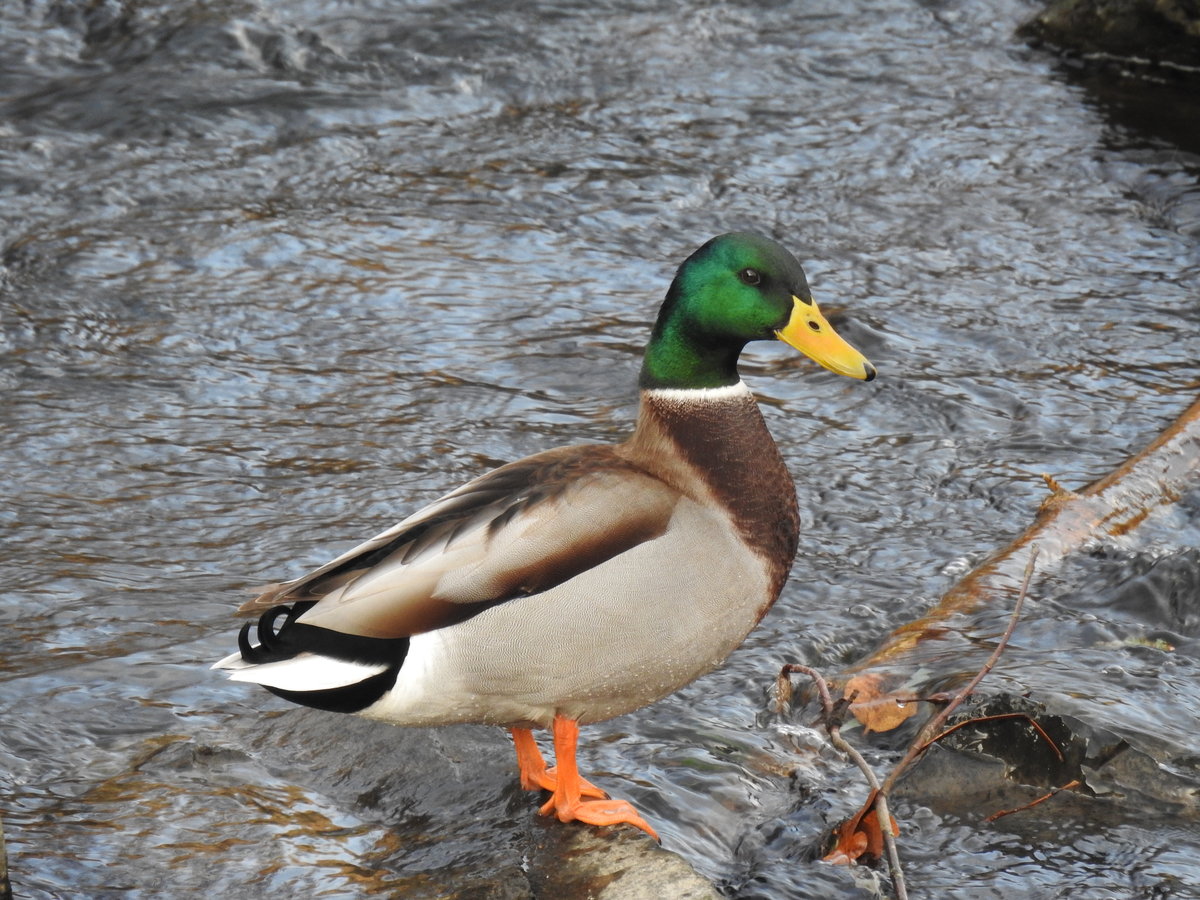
833,729
934,727
1013,715
936,724
831,726
884,815
835,738
1073,783
818,680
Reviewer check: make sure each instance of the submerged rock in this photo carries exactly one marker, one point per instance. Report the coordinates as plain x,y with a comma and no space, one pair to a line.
997,761
447,817
581,863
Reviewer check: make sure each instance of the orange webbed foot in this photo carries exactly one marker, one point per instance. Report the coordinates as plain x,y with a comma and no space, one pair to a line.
586,788
597,812
567,786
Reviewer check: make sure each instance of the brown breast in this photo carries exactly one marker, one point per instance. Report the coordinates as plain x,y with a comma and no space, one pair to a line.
716,443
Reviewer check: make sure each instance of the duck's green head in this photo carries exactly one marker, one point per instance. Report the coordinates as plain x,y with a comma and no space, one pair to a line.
735,289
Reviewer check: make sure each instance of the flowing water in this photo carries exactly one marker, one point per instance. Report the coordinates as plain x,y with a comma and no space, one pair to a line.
275,273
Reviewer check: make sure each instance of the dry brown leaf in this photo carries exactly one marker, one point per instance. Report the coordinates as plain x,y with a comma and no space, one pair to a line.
874,706
859,836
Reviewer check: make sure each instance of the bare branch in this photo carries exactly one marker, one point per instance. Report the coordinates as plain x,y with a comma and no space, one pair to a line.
1013,715
1073,783
833,729
935,725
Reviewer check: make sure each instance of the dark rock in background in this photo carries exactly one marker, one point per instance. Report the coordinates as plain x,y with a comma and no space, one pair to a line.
1152,31
5,888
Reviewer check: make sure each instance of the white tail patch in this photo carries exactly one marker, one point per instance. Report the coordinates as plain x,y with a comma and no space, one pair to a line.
232,661
303,672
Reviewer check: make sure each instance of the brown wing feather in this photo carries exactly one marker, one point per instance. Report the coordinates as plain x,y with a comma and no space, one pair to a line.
518,530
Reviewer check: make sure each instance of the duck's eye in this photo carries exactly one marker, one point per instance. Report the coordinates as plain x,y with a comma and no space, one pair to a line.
750,276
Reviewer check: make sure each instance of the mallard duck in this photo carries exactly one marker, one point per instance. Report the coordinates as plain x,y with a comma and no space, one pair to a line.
579,583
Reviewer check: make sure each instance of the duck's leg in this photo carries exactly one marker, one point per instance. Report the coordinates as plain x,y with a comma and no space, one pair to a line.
566,801
534,774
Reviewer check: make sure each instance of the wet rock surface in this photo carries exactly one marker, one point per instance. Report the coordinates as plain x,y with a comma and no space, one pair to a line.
480,838
608,864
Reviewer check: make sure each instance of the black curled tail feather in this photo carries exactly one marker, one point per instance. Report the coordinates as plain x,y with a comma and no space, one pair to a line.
293,638
270,648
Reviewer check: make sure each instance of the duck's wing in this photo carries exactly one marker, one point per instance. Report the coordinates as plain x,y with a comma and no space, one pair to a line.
520,529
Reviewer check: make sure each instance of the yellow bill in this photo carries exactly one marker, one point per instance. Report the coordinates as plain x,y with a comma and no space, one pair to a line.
809,332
